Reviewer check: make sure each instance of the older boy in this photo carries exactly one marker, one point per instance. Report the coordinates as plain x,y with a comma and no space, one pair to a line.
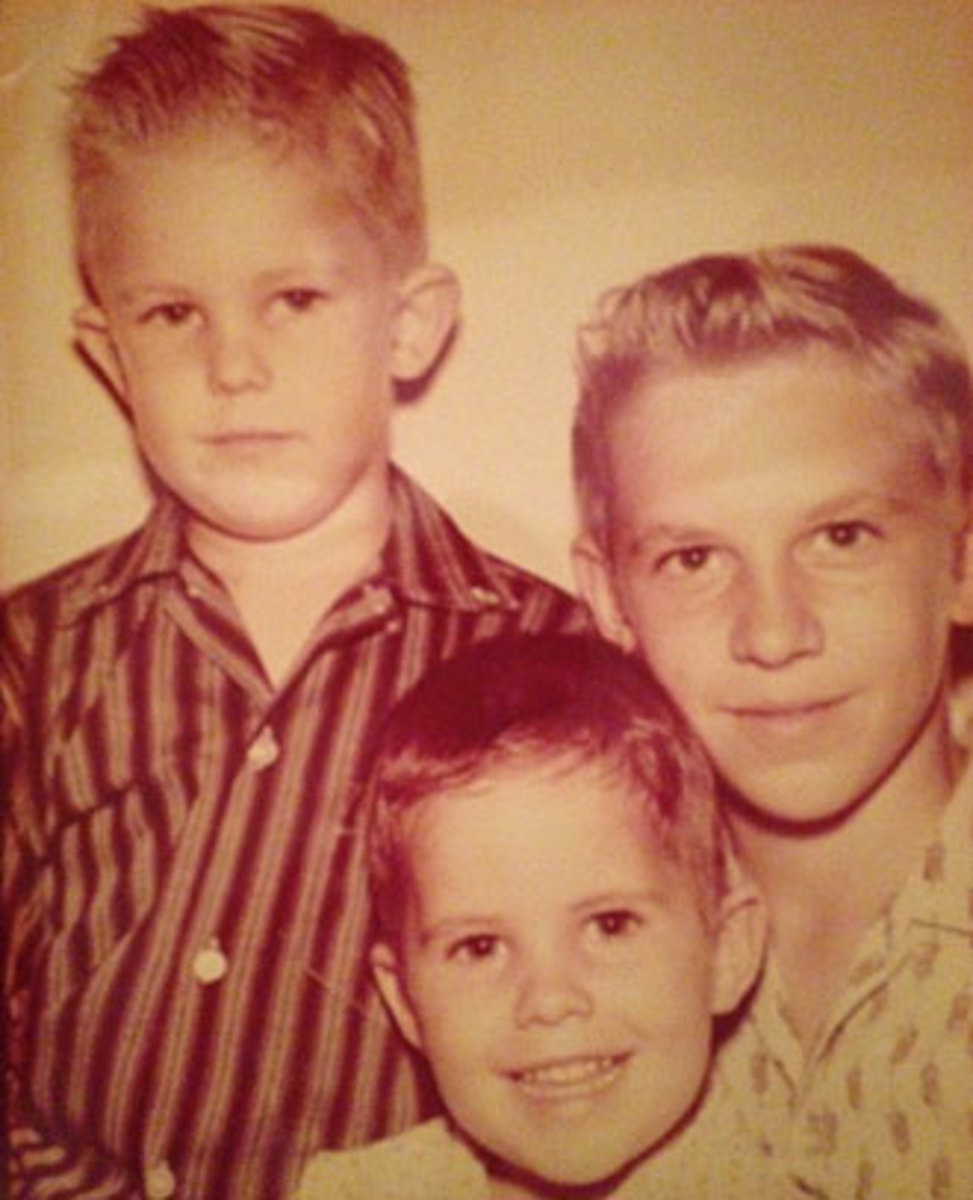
186,715
558,927
773,454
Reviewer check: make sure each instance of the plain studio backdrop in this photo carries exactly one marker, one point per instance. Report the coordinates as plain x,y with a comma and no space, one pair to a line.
569,145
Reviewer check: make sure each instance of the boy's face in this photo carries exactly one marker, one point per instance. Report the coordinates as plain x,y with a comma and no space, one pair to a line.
251,328
789,563
555,969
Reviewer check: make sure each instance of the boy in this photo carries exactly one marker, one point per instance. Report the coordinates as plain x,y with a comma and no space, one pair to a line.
773,457
557,926
187,715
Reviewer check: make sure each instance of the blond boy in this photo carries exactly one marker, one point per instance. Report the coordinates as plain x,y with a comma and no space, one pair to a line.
773,456
186,716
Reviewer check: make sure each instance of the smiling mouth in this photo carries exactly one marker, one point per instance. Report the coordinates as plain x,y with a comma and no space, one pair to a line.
571,1078
787,720
787,712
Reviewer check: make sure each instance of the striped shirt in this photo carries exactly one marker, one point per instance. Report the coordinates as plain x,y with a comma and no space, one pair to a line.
189,1007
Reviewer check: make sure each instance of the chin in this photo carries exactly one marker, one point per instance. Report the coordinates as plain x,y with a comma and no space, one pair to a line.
825,807
255,522
581,1167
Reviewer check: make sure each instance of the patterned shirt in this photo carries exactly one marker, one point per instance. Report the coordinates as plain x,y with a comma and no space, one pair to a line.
432,1162
428,1162
189,1008
883,1105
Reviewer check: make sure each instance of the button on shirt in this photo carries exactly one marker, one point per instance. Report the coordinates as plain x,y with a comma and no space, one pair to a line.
184,888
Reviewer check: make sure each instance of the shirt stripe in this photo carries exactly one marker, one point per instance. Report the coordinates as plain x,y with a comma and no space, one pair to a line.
189,1006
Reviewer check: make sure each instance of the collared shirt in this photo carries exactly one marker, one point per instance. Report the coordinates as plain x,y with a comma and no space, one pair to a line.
882,1107
432,1162
428,1162
189,1005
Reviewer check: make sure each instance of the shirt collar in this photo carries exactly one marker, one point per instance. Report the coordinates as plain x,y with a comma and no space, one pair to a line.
426,560
938,893
152,551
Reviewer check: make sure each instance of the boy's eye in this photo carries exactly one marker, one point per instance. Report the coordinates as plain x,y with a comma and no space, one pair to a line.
175,314
689,560
300,299
616,923
845,536
848,533
478,947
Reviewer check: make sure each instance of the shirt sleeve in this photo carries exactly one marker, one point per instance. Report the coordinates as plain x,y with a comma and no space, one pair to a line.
38,1165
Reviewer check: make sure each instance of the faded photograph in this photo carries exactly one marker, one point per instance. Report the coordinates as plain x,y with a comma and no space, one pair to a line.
486,574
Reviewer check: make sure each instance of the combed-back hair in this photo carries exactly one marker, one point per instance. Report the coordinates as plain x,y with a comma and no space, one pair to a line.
292,77
723,309
539,703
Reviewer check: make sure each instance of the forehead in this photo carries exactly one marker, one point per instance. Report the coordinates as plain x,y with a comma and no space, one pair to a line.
786,430
527,830
205,190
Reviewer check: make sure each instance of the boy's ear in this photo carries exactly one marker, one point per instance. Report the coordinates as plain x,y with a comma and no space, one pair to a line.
595,581
93,336
387,973
428,309
741,939
962,608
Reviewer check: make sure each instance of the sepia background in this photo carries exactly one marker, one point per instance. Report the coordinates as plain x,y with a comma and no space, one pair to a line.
569,145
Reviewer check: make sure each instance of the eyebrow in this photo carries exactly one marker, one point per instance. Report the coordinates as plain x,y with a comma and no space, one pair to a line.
887,501
454,927
830,509
655,897
457,927
150,291
661,531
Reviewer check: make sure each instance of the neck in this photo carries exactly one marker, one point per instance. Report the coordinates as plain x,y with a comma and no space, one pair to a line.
826,884
510,1183
283,587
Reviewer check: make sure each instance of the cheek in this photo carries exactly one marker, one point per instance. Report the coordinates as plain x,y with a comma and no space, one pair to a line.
680,646
155,385
448,1021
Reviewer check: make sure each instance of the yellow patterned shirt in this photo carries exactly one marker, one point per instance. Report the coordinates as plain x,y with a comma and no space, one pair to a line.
883,1106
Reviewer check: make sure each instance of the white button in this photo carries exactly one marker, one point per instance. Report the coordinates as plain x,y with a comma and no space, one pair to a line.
484,596
379,602
265,750
210,965
160,1182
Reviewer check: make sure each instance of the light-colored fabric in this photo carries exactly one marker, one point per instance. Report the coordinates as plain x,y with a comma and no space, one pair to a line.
431,1163
883,1108
190,1011
425,1163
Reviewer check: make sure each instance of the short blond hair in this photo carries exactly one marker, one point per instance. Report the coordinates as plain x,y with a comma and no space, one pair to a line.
721,309
291,76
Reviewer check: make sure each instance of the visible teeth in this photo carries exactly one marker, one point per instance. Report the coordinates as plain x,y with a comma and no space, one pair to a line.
567,1073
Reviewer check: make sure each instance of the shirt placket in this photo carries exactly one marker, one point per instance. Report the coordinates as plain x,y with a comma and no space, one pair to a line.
197,906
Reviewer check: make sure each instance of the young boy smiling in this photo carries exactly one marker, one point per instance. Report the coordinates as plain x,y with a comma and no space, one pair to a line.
773,457
187,715
557,927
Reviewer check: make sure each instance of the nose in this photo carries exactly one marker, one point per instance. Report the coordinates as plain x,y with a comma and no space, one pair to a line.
235,361
775,622
551,991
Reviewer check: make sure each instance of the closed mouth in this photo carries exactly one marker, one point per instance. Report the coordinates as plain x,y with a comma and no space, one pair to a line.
243,437
785,712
